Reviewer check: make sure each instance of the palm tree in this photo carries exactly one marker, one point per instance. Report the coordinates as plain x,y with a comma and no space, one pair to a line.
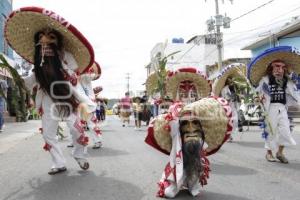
21,109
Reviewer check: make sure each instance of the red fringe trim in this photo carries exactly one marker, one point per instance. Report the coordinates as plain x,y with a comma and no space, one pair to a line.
162,186
41,111
83,140
47,147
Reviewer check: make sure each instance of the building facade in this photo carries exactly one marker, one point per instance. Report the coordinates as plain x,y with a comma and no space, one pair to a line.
197,52
5,10
287,35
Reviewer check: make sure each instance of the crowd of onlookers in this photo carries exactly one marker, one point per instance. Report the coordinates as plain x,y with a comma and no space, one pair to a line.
138,106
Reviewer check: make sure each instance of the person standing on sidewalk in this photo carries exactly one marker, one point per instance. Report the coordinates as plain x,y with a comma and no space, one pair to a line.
3,87
272,72
2,103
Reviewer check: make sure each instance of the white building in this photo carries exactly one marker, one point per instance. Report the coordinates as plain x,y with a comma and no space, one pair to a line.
198,52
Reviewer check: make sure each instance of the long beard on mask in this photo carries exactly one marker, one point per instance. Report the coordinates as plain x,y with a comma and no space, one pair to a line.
48,69
192,160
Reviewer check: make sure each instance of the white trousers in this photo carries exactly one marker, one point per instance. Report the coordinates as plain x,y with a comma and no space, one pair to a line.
280,124
50,124
233,106
94,130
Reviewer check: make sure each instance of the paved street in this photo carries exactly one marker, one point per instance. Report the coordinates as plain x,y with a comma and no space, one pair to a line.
127,168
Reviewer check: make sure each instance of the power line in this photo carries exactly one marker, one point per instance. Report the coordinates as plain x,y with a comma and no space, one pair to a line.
233,40
252,10
231,21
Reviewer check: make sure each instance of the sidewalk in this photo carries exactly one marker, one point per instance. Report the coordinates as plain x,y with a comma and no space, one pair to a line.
15,132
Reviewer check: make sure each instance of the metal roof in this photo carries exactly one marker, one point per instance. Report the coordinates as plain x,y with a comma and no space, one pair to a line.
283,31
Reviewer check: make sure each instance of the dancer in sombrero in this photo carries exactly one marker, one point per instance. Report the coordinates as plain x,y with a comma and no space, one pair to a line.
58,51
272,72
225,85
188,134
187,84
92,123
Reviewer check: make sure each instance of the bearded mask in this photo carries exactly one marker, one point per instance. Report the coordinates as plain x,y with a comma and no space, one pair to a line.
47,39
48,69
192,142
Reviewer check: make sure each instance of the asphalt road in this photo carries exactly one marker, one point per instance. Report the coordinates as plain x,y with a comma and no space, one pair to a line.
127,168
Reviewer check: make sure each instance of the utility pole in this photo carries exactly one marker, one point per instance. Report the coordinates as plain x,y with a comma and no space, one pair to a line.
219,38
215,25
127,77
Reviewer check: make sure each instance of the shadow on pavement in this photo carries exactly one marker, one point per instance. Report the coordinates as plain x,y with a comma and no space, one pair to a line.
206,195
105,151
291,165
227,169
80,186
250,144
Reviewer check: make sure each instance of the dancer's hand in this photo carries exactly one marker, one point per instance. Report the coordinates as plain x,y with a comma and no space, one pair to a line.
83,111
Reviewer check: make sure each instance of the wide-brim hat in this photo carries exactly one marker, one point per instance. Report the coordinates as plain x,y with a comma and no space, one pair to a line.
202,84
233,70
134,99
216,119
258,66
24,23
151,83
96,69
97,90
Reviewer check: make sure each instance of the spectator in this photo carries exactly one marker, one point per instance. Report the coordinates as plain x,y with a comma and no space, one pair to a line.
137,111
3,87
125,109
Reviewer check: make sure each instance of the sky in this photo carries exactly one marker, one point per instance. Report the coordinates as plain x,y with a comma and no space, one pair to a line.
123,32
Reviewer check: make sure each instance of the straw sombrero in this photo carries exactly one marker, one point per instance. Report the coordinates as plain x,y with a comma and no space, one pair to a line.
97,90
202,84
22,24
258,66
151,83
215,116
233,70
95,68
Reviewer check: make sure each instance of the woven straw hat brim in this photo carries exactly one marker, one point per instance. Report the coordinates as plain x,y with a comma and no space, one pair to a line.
151,83
97,69
161,134
99,89
258,66
215,116
202,85
230,71
22,25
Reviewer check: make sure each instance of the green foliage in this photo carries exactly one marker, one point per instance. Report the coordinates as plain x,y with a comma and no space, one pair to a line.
161,73
19,91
